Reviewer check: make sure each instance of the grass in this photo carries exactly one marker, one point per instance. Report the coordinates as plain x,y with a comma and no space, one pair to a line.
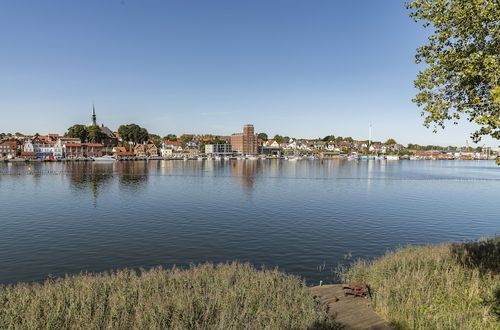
446,286
207,296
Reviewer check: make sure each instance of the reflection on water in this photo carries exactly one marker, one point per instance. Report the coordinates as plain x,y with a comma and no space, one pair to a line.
244,172
62,218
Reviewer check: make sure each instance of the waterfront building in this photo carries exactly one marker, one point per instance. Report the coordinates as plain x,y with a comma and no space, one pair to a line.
271,148
8,149
140,150
170,148
218,149
43,147
246,142
152,150
83,150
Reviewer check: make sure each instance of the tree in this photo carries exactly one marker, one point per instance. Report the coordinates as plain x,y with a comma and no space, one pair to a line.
329,138
170,137
278,138
390,142
262,136
133,133
78,131
94,134
156,139
186,138
462,76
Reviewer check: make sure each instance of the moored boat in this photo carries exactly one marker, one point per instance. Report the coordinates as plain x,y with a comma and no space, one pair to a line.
105,158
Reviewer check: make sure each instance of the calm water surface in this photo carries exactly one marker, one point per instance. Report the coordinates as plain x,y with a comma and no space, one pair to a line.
303,216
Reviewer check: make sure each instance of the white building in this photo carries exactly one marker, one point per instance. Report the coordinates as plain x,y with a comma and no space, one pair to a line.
218,149
44,149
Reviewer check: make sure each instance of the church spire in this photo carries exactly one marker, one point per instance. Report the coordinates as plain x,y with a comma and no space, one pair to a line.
94,118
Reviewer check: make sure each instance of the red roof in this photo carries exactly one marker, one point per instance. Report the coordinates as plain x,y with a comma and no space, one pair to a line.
93,144
173,143
54,135
26,153
12,143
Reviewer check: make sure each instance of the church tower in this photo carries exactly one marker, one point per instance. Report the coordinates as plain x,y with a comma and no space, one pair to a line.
93,122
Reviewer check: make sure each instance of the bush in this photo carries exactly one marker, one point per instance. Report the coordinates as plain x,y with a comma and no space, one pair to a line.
447,286
224,296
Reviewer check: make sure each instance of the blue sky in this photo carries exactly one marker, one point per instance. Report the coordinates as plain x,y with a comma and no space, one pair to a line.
298,68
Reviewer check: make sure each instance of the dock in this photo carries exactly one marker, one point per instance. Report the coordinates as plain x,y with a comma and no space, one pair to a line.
351,312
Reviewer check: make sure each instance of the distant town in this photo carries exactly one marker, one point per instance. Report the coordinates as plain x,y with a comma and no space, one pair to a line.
132,142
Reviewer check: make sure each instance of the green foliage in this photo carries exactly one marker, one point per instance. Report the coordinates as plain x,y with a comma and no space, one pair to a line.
329,138
78,131
95,135
262,136
156,139
278,138
133,133
462,76
430,147
170,137
185,138
390,142
224,296
447,286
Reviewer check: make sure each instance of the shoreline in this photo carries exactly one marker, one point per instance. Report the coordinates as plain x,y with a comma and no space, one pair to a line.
64,160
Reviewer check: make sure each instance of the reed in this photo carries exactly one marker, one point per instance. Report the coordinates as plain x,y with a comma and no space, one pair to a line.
207,296
446,286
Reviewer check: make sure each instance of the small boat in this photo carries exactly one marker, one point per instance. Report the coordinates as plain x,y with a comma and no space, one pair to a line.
105,158
392,157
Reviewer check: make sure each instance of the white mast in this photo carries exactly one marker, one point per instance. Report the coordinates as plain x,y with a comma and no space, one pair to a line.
370,134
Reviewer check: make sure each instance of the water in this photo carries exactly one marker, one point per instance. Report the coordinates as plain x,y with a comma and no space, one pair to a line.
303,217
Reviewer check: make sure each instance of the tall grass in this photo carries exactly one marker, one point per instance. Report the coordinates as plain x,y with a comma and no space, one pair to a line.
447,286
224,296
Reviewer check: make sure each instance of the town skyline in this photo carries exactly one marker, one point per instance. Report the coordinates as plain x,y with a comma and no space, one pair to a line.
228,132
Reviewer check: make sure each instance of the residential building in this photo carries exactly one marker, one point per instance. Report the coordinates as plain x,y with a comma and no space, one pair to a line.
8,149
218,149
271,147
140,150
170,149
246,142
43,147
152,150
83,150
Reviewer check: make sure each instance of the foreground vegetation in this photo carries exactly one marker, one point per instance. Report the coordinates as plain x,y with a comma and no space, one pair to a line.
225,296
447,286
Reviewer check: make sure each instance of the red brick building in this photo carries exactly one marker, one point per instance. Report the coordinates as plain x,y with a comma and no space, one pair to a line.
246,142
